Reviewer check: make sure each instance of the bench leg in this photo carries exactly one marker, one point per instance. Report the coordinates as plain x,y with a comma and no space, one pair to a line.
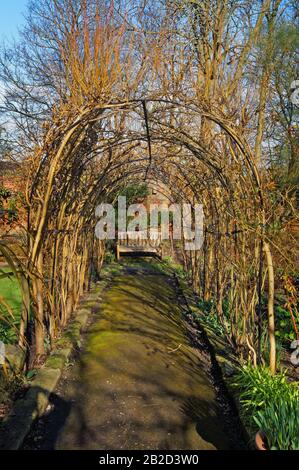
117,252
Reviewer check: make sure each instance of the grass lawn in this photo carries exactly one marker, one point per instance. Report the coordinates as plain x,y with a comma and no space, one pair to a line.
10,292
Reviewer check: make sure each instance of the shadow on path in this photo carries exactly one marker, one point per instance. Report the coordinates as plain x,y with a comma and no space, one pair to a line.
139,384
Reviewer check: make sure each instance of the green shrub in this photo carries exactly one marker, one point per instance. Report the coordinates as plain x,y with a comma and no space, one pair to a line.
284,327
210,317
269,403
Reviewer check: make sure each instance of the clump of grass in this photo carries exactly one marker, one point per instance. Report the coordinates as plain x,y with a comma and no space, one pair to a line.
270,403
280,423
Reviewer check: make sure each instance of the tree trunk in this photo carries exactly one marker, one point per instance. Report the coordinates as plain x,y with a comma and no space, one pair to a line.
271,319
39,313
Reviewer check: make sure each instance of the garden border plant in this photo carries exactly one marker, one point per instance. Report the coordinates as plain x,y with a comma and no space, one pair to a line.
269,404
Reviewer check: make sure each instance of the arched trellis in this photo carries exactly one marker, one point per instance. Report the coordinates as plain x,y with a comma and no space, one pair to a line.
84,158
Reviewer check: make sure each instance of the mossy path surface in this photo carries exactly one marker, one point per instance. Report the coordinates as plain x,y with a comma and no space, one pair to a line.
139,383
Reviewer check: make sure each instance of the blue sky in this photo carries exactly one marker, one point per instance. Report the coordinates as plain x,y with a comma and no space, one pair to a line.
11,17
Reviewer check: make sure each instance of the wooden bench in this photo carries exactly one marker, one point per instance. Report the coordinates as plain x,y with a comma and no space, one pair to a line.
138,243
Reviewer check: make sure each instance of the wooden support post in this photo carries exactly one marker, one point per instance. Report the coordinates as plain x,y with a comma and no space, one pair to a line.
117,252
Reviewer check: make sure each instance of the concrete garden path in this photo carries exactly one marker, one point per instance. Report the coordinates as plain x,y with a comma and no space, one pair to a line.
138,384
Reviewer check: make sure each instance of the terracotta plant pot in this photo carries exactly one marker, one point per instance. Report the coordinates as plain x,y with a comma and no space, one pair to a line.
261,441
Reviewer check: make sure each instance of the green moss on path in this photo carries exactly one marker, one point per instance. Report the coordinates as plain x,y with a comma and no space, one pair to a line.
139,383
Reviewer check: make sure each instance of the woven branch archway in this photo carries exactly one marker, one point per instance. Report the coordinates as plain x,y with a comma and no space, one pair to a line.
88,155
